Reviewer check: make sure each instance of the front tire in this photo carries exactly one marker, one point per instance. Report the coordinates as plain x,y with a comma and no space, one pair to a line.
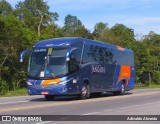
85,92
49,97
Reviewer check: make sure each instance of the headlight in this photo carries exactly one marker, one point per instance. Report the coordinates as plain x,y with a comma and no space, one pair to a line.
29,83
63,82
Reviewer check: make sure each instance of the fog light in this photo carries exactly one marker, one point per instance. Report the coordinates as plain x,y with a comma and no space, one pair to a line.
74,81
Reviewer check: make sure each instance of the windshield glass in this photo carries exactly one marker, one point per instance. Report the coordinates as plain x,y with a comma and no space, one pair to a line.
47,63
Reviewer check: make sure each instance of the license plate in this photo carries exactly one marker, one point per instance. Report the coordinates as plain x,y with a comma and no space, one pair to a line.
44,93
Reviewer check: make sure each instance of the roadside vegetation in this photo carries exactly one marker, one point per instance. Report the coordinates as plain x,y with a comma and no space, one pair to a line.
30,21
17,92
143,86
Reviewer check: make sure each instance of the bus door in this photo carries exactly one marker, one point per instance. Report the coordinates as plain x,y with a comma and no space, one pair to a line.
73,64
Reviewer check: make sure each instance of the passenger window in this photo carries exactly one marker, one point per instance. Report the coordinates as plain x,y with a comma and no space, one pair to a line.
73,63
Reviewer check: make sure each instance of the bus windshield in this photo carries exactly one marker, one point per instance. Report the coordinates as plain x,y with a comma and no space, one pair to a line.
47,63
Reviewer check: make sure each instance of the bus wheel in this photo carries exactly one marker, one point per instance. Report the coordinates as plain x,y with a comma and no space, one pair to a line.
49,97
123,89
85,92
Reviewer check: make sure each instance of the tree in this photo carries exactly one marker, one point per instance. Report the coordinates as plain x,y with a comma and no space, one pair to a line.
5,8
71,24
124,34
82,32
152,42
14,38
35,14
119,35
100,28
51,31
152,39
73,27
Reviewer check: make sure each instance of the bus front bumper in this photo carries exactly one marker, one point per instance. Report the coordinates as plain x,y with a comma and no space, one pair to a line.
57,90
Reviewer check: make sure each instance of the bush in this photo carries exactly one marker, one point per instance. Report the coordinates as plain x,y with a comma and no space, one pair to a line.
156,77
3,87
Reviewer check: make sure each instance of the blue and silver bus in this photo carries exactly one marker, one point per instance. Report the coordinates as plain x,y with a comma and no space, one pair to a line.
78,66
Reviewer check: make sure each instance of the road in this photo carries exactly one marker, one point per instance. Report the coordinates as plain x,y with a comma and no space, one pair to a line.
135,102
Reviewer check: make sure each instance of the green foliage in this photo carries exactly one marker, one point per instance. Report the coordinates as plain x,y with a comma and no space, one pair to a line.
5,8
152,39
73,27
15,37
3,87
35,14
72,23
143,86
99,29
118,35
124,35
16,92
51,31
156,77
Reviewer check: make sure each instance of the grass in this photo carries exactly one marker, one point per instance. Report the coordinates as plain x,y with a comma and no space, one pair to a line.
142,86
17,92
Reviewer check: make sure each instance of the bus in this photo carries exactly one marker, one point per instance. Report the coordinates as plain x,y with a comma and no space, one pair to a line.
78,66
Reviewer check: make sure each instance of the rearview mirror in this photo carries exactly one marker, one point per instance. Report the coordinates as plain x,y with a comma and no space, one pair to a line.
23,53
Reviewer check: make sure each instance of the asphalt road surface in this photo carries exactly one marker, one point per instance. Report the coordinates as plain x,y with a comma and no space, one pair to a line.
135,102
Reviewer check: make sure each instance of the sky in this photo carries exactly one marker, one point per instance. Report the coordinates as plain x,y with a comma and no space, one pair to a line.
141,15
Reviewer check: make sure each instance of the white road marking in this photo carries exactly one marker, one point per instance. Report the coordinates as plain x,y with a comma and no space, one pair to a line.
44,122
132,106
121,108
91,113
5,103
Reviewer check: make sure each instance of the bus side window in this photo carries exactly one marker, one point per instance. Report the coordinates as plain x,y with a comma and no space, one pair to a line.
73,63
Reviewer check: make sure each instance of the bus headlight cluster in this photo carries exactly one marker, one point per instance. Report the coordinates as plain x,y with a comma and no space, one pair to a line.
29,83
63,82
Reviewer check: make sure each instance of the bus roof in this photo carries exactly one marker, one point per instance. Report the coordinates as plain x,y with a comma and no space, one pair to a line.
58,41
69,41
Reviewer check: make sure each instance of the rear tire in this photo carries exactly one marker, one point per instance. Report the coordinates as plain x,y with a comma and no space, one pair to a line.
122,90
85,92
49,97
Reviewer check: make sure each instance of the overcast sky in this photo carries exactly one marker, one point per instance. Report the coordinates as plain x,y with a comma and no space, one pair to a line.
141,15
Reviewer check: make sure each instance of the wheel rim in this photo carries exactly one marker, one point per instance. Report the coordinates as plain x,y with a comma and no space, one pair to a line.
84,91
123,88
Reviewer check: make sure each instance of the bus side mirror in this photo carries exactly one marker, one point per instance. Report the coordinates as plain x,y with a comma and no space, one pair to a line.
69,55
23,53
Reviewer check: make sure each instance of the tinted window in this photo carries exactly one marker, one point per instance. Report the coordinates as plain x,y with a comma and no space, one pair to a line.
123,57
107,55
74,61
89,54
97,54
